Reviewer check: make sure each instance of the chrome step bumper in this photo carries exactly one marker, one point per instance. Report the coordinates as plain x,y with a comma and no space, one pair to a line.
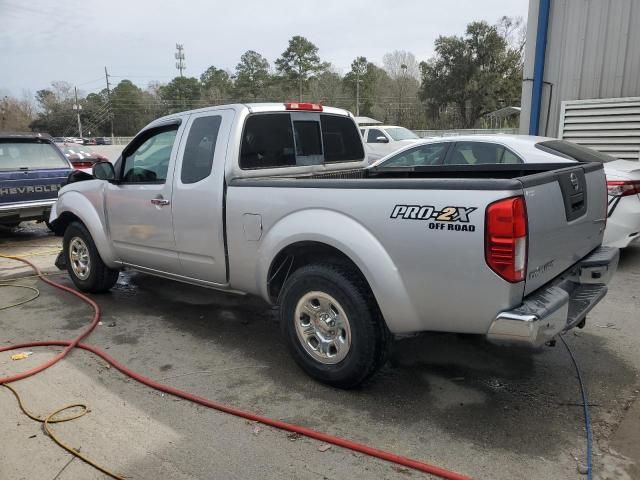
560,305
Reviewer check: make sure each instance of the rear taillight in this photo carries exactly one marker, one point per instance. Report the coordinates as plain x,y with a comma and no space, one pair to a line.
506,238
313,107
623,188
81,164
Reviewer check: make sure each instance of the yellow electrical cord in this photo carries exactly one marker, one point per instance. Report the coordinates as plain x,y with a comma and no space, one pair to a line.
36,254
20,302
51,418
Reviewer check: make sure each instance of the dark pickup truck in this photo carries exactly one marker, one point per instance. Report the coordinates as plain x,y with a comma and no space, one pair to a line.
32,170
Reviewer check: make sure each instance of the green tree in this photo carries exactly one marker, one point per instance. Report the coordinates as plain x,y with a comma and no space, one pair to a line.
327,88
181,93
15,115
403,69
216,85
128,108
299,62
95,114
252,75
55,106
473,75
371,79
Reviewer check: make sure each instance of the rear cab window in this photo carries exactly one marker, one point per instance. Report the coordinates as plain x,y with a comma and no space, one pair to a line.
289,139
30,154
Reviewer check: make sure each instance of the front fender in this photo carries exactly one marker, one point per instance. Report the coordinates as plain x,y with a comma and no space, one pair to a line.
87,205
356,242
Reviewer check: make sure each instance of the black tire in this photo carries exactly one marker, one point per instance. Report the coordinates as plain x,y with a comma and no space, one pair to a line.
370,338
99,278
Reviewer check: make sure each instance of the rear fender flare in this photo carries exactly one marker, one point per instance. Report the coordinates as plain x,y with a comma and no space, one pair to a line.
355,241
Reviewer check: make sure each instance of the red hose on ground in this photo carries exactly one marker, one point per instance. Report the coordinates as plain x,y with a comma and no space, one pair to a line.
324,437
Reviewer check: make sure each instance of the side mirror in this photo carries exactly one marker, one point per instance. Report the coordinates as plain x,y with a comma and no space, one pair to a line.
382,139
103,170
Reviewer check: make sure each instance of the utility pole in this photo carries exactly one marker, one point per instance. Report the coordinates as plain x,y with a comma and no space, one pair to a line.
106,76
180,63
402,84
358,91
77,107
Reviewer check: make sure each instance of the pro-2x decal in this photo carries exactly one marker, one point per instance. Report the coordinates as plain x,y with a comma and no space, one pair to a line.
449,218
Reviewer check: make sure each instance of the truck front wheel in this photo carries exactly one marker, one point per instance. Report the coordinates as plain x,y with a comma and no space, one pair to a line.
86,269
332,325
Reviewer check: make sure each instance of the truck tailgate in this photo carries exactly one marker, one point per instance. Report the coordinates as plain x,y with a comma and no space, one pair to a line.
566,210
31,185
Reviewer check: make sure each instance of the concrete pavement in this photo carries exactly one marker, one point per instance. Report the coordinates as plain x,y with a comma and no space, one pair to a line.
457,401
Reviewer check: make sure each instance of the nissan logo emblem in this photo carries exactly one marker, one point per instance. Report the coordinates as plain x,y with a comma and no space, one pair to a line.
573,178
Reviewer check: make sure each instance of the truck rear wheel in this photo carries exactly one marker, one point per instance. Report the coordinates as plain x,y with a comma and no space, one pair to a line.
86,269
332,325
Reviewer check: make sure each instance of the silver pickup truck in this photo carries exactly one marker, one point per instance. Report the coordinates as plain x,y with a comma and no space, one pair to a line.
275,200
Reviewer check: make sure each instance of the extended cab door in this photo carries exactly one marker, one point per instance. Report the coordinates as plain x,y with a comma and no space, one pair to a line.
138,205
198,197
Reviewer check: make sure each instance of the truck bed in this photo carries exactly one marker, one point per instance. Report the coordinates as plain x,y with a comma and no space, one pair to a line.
455,177
434,256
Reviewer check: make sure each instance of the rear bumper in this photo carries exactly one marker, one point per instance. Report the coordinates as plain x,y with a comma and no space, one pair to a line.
17,212
623,224
559,306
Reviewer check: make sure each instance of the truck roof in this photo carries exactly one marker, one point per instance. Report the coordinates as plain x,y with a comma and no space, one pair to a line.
252,108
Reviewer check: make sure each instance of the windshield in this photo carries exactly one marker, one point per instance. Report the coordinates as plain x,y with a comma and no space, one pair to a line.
573,151
401,133
29,155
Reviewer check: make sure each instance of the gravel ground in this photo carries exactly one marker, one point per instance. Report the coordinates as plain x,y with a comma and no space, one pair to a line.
456,401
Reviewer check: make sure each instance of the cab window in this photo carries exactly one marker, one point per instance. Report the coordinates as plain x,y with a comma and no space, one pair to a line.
274,140
147,160
267,142
197,160
373,136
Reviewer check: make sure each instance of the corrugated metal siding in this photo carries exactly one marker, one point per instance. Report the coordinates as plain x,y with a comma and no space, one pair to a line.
609,125
593,51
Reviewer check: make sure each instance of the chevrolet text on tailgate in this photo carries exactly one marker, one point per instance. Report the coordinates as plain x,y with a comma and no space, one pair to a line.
275,200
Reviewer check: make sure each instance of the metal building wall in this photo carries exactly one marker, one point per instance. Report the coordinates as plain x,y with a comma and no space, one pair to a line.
609,125
593,51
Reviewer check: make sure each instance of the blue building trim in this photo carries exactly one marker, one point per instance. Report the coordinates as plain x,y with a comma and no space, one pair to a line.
538,66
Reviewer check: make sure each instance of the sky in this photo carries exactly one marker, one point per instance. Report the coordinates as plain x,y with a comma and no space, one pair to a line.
73,40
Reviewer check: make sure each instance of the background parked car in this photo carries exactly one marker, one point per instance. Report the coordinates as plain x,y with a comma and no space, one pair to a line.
383,140
81,157
103,140
32,170
623,176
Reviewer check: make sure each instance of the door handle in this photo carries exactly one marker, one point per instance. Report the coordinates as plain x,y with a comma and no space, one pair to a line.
160,202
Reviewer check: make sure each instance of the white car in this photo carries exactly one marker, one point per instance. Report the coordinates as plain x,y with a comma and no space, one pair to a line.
623,176
382,140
